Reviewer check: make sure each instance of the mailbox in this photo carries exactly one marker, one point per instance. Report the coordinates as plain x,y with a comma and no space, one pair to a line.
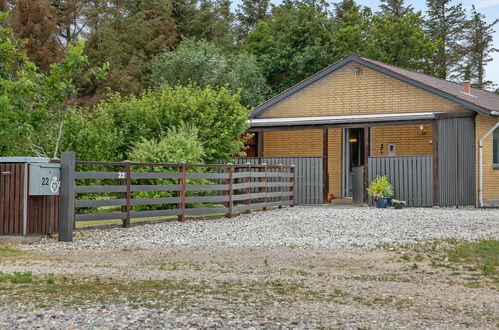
29,201
44,179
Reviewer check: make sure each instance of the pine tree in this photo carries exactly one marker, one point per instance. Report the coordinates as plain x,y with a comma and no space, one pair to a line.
249,13
34,21
396,8
477,51
445,24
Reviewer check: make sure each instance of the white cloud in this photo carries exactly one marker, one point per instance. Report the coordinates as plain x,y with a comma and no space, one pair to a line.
486,4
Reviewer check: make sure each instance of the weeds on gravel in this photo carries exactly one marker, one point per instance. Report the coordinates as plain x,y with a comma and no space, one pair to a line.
17,277
8,252
476,263
484,255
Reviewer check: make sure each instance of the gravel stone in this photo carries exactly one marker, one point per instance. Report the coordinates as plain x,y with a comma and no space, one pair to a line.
317,227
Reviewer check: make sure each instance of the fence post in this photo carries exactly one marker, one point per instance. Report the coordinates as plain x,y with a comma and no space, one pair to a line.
67,197
293,187
183,186
281,170
128,194
263,179
230,191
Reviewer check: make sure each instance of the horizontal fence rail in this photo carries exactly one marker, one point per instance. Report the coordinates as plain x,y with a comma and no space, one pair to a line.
309,175
126,190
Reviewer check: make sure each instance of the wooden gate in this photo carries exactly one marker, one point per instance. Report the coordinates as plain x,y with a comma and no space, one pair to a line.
309,172
411,177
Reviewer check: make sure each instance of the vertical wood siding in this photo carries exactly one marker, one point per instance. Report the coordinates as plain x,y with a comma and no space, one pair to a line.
411,177
456,161
309,172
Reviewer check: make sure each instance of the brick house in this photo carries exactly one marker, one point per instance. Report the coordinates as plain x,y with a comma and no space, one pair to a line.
359,109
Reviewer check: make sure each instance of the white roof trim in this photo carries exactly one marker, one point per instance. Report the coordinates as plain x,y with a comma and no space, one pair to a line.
318,120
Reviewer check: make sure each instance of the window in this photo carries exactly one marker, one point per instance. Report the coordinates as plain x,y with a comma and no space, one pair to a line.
496,148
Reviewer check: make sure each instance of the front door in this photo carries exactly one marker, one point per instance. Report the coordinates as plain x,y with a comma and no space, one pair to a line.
353,155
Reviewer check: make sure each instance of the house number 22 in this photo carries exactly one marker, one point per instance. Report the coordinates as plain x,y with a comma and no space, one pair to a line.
121,175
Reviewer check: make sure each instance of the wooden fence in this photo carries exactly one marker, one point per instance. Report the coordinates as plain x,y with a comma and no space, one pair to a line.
126,190
309,175
411,177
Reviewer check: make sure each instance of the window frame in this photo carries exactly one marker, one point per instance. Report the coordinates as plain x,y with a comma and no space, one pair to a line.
495,149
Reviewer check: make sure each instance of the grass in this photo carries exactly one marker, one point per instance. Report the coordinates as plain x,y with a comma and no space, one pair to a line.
476,262
8,252
483,255
16,277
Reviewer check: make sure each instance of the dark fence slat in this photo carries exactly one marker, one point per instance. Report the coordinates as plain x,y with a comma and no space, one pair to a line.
100,216
99,189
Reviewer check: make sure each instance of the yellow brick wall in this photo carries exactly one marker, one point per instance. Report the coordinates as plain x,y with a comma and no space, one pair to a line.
335,162
308,143
409,140
342,93
490,176
293,143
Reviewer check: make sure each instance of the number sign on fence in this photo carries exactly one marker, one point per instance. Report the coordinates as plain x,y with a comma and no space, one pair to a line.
126,190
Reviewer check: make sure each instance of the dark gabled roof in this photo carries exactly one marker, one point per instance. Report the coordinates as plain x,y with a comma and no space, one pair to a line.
480,101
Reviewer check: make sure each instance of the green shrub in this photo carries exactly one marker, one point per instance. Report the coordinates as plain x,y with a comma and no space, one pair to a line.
119,123
177,145
380,187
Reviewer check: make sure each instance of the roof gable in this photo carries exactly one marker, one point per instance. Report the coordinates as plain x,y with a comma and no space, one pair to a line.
479,101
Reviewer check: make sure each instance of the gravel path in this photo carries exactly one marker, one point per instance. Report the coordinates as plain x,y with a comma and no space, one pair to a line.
302,267
317,227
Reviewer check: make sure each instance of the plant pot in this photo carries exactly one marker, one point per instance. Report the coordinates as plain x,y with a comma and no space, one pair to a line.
398,206
382,203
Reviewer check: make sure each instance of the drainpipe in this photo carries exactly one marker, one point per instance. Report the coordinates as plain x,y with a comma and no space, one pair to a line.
480,146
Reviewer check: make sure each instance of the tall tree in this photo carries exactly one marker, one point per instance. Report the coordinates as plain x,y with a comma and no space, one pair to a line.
211,20
72,19
129,39
203,63
477,50
343,7
352,30
249,14
445,23
401,41
396,8
294,43
35,22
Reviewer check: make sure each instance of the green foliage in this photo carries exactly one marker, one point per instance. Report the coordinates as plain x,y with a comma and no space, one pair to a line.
217,114
17,277
177,145
483,254
205,64
292,44
380,187
92,135
445,23
132,34
401,41
33,104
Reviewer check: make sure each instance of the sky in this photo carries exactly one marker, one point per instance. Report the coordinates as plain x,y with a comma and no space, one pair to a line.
488,7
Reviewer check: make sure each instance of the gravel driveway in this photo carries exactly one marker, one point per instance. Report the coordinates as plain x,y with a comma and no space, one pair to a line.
302,267
318,227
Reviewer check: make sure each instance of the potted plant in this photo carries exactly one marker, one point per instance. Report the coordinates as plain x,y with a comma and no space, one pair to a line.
398,204
382,191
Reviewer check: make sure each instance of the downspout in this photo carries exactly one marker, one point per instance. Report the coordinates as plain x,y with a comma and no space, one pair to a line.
480,157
